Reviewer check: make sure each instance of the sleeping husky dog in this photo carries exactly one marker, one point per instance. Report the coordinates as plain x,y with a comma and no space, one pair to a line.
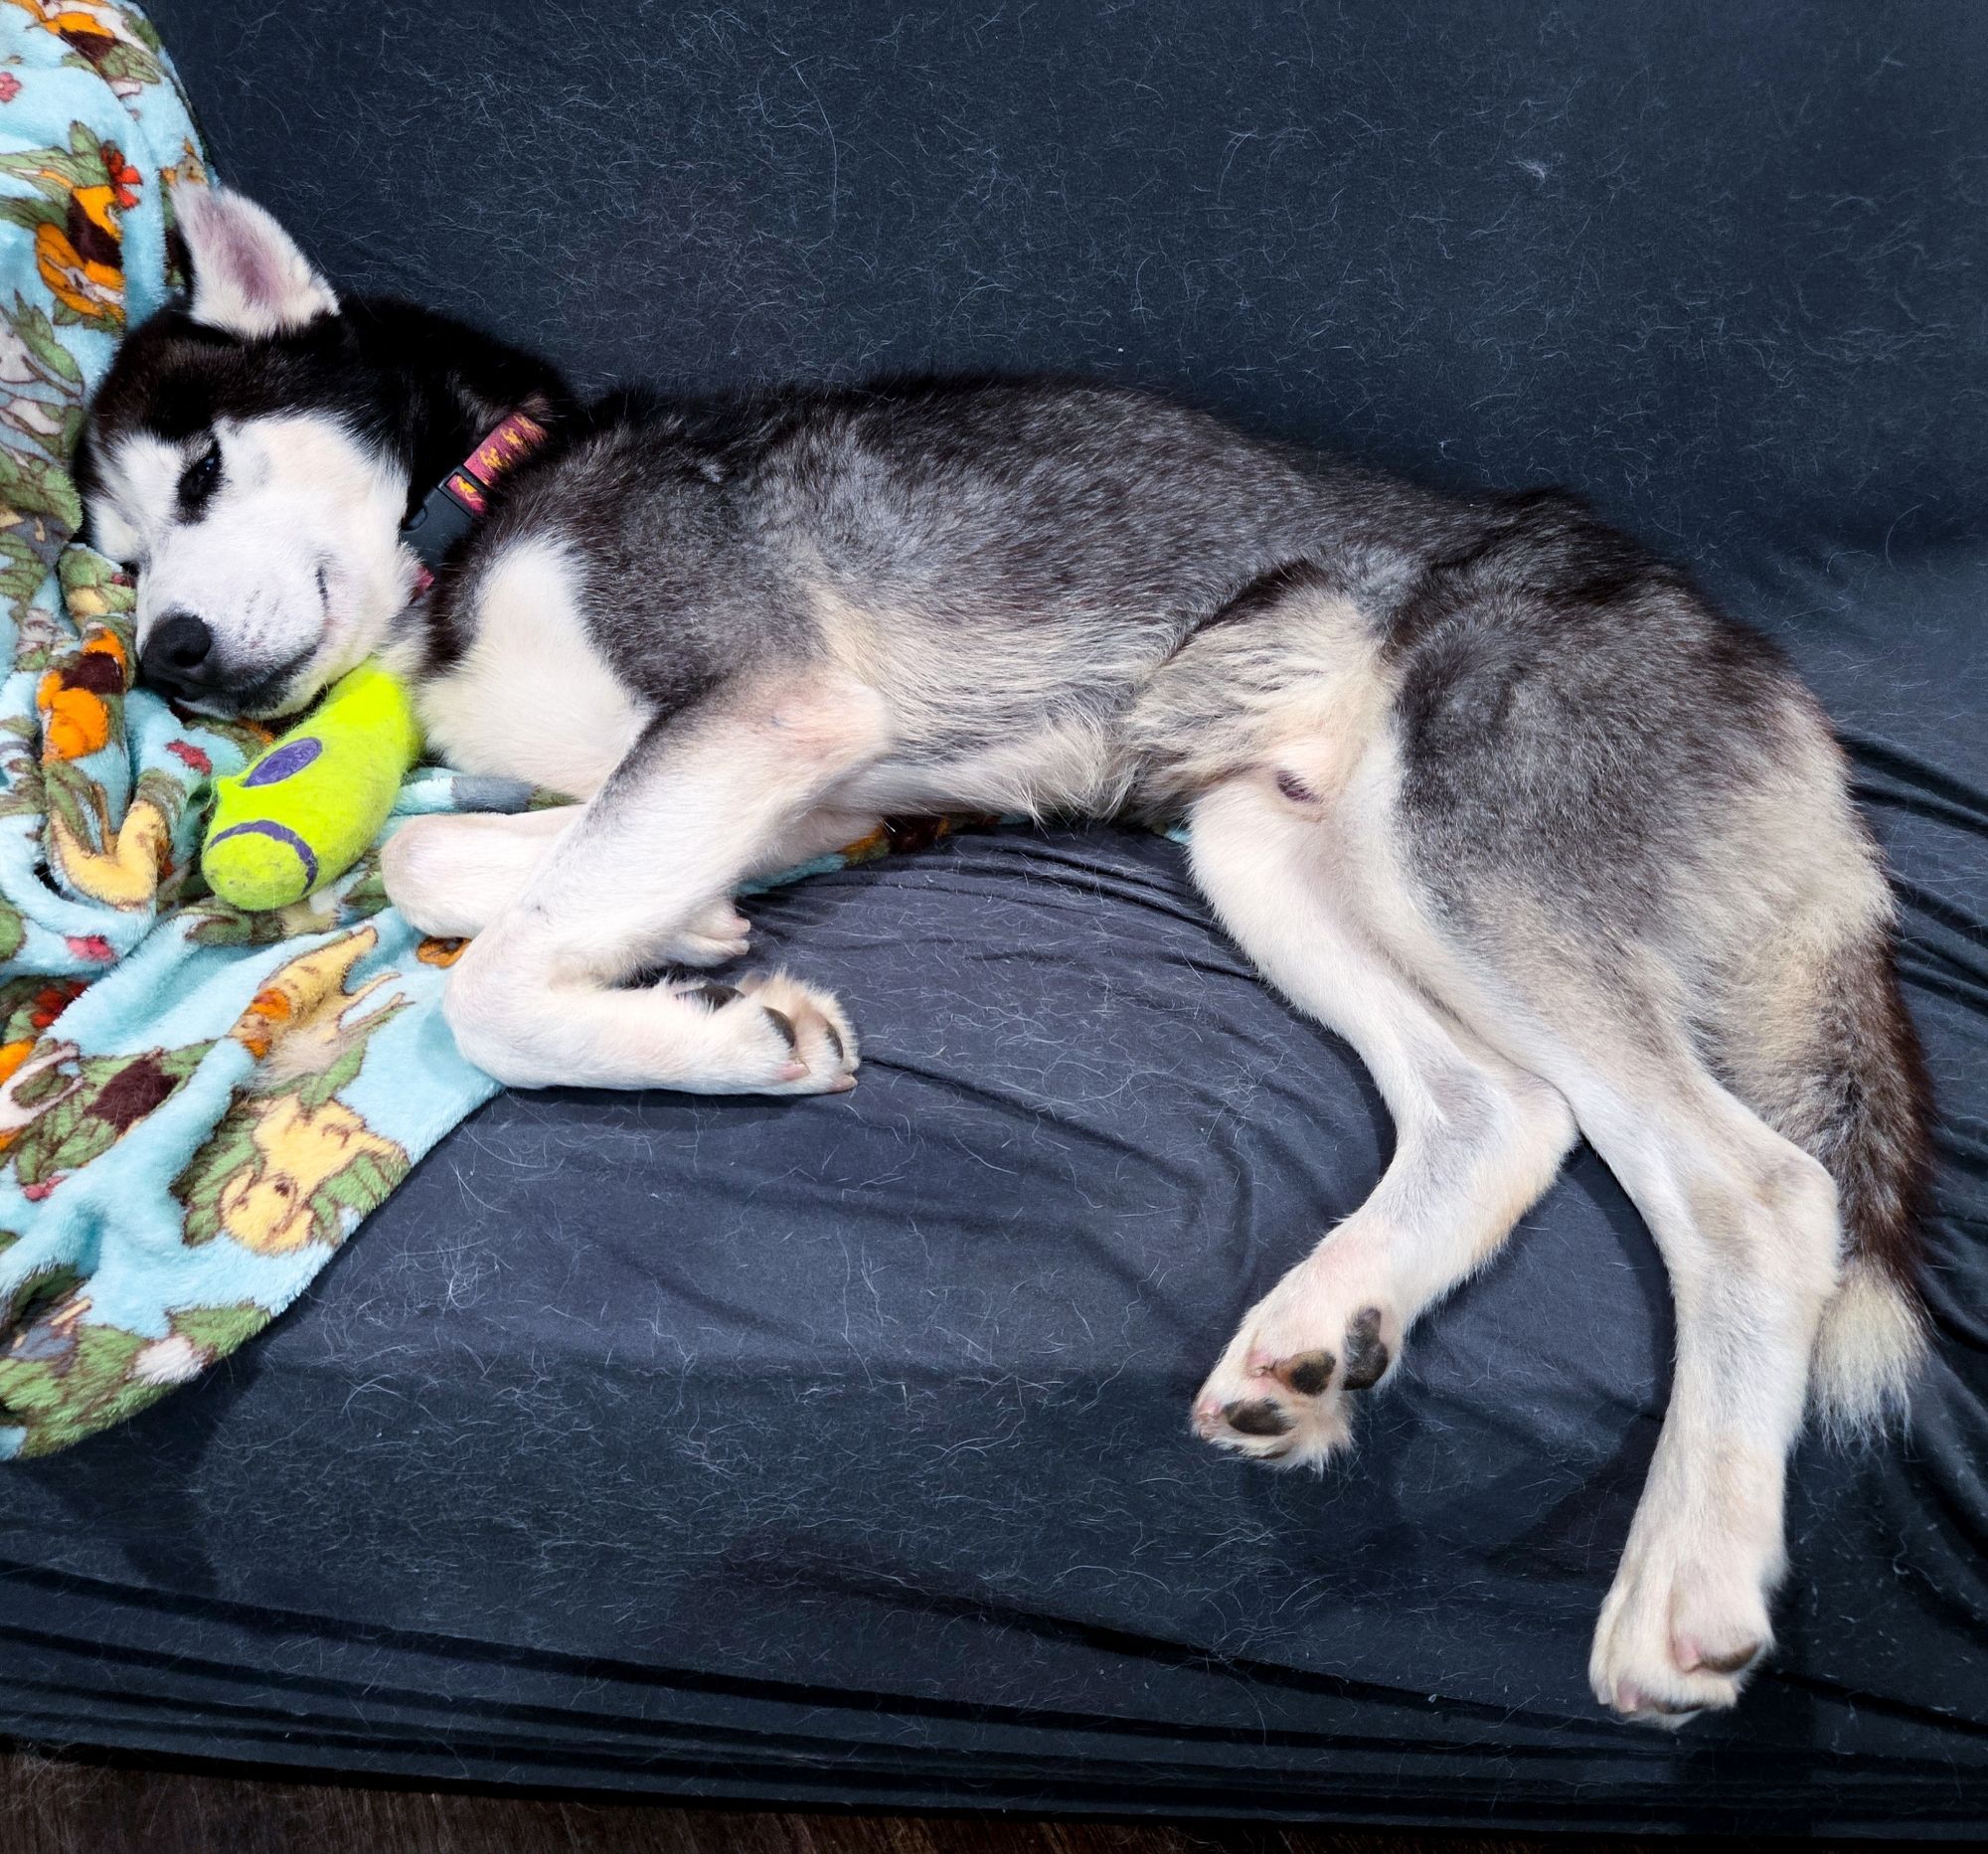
1479,786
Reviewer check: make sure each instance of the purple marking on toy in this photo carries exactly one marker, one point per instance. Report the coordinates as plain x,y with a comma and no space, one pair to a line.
279,833
285,762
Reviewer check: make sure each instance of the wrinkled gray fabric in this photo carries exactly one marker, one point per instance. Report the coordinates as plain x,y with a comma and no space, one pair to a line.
836,1449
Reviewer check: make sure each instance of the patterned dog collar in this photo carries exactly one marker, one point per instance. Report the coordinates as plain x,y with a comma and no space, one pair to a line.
463,498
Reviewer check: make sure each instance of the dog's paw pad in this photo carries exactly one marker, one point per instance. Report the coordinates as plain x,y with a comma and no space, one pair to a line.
1360,1361
1308,1374
1260,1416
1368,1355
1695,1659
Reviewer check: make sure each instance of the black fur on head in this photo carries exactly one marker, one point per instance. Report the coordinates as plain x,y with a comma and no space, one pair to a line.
422,386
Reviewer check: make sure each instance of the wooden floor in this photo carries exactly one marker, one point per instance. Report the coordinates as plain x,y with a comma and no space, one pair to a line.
62,1805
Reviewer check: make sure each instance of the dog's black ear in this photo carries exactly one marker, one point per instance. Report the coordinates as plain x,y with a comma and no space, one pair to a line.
249,278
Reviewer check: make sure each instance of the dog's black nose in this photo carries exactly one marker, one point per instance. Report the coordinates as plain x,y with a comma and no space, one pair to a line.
178,656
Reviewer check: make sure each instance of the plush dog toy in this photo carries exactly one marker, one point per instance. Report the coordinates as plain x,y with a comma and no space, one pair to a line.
304,812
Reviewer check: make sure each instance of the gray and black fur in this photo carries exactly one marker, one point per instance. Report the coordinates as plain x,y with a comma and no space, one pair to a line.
1482,785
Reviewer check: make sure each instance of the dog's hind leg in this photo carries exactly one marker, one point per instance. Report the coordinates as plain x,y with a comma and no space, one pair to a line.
1748,1225
1477,1139
1745,1220
1628,843
541,996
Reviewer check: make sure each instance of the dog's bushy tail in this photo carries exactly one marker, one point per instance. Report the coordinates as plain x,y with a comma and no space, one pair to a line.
1860,1103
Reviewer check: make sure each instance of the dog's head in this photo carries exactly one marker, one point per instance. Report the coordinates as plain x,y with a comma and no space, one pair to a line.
241,458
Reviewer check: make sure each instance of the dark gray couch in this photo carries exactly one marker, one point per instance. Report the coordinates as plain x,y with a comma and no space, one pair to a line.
836,1450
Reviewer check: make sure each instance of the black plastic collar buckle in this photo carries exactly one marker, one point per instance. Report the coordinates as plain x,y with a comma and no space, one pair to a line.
436,527
463,498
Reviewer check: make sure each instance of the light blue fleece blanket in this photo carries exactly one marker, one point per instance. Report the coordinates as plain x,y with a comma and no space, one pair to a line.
197,1105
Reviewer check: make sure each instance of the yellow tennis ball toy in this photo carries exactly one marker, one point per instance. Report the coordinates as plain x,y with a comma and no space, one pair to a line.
305,810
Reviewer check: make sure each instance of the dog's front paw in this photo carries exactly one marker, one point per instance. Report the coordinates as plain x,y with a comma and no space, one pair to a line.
789,1038
1684,1625
1279,1394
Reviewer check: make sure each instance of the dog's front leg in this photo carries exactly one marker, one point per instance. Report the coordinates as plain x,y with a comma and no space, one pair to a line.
538,997
454,873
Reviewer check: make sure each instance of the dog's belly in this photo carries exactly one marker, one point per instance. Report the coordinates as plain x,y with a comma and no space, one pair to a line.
1074,765
532,698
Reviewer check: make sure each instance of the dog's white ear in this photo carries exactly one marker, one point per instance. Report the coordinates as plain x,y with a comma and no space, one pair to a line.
249,278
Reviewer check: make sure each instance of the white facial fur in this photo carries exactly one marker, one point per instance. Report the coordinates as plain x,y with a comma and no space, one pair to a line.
294,562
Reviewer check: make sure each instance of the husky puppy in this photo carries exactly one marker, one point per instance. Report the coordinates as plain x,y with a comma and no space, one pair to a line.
1480,785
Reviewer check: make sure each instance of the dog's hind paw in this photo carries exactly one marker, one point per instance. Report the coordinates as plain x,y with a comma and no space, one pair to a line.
1279,1394
1684,1625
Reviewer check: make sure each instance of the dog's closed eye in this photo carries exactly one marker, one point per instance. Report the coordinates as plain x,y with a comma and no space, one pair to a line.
199,479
